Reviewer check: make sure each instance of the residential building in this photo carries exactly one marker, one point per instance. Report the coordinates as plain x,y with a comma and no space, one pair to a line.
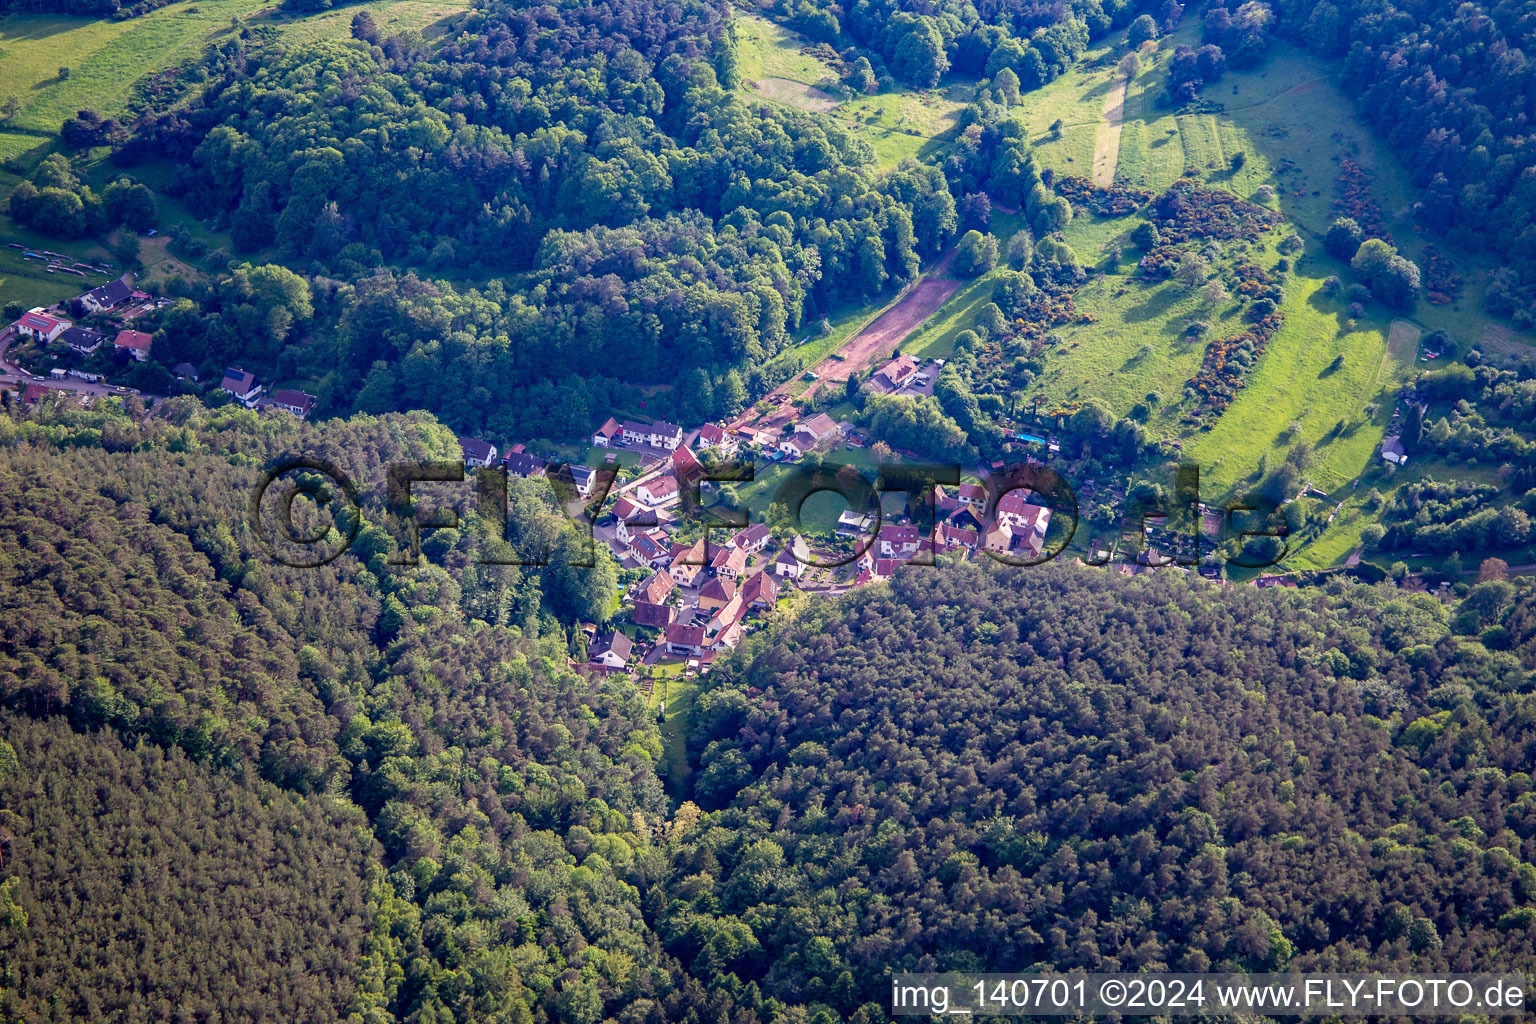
656,589
820,426
760,591
713,437
661,490
894,375
684,639
726,615
296,402
477,453
521,464
82,339
651,548
1392,450
798,444
243,385
135,343
655,616
612,650
40,325
113,293
604,436
898,541
729,563
753,539
717,593
686,466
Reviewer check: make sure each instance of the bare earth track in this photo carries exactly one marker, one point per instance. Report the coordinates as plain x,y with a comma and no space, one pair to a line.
875,342
1106,147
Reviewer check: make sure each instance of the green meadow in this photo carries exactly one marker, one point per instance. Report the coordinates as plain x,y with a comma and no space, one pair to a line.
898,123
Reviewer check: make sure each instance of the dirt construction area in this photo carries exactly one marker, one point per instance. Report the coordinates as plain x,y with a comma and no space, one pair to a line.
870,346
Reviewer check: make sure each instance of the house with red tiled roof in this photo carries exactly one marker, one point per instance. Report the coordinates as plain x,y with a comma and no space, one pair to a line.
729,562
298,403
686,465
760,591
656,616
898,541
658,491
894,375
717,593
135,343
604,435
715,438
41,325
753,539
657,589
684,639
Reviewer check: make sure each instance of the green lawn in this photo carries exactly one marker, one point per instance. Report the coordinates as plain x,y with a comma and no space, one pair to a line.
898,123
392,16
105,57
676,694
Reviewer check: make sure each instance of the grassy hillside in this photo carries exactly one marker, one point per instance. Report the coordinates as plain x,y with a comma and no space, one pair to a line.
898,123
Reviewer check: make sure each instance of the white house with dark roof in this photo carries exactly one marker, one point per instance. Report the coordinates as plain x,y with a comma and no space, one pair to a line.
296,402
82,339
243,385
113,293
477,453
612,650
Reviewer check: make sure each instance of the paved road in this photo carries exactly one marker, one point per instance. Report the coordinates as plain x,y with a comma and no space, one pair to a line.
10,373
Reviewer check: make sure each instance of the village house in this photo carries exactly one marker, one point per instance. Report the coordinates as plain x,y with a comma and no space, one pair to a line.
726,615
1016,509
477,453
684,639
1392,451
520,463
661,490
1015,541
655,616
658,435
135,343
753,539
898,541
686,467
760,591
82,339
894,375
113,293
612,650
657,589
717,593
296,402
951,539
583,480
651,548
797,444
715,438
687,562
604,435
243,385
40,325
729,637
729,563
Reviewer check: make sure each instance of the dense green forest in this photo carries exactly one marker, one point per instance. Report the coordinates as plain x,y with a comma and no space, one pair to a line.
391,773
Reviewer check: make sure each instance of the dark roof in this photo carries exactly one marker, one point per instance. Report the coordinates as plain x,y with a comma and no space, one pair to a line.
238,381
718,589
293,400
111,293
616,642
656,615
82,337
523,464
476,449
681,633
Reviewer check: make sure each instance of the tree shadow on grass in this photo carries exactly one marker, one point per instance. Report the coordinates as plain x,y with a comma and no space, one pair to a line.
1154,306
